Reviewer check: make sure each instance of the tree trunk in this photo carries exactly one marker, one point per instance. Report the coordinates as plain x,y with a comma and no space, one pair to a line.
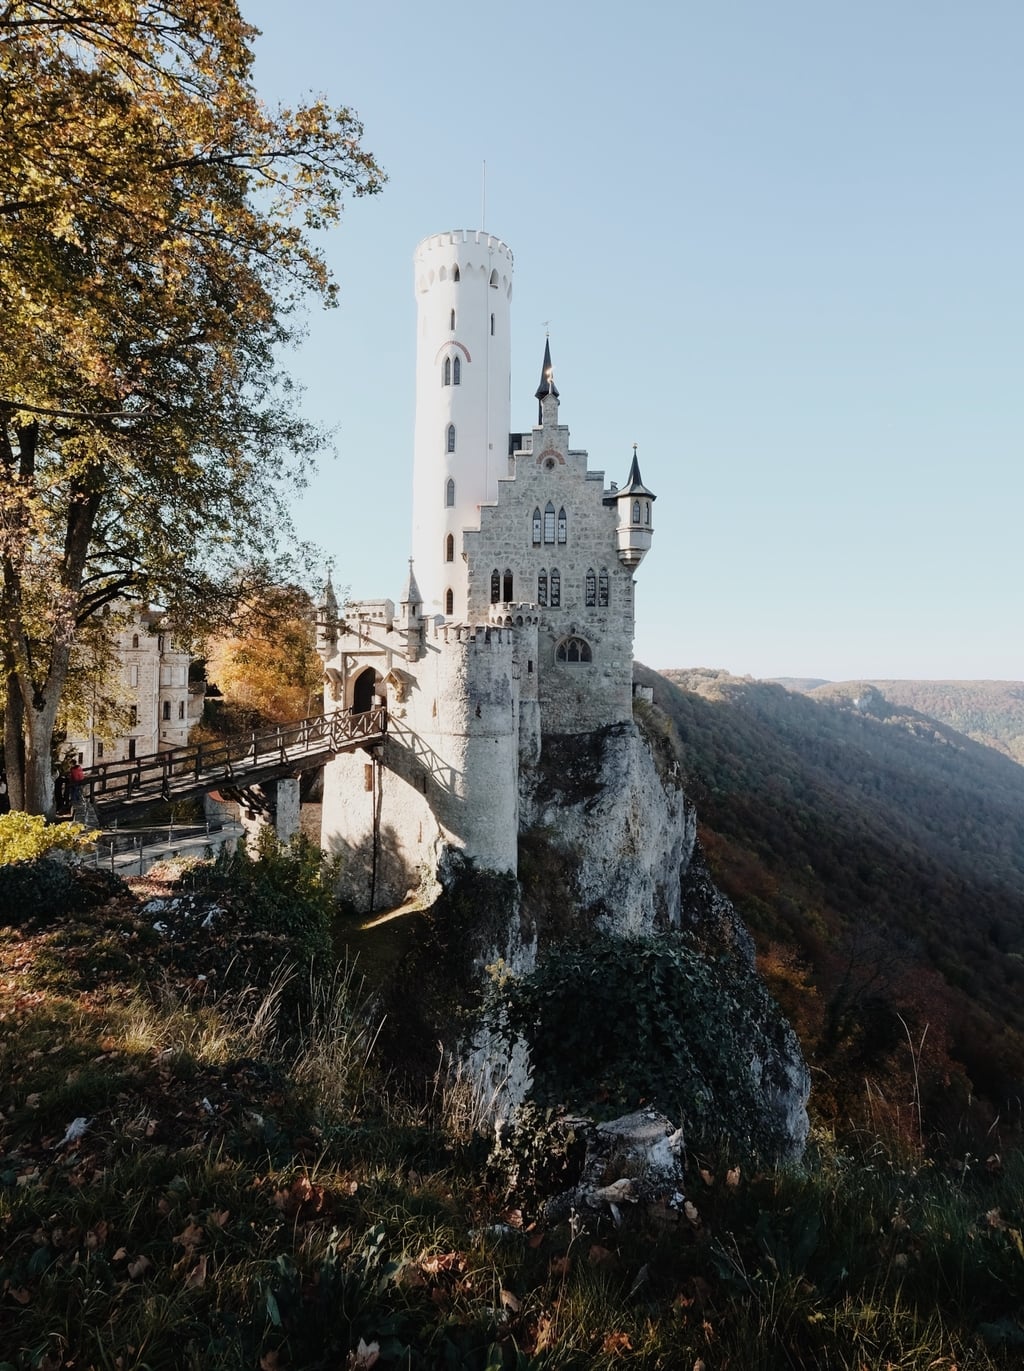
14,745
39,762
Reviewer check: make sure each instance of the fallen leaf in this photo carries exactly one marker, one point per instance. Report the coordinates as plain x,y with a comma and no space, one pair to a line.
690,1210
600,1256
270,1361
560,1266
22,1294
139,1267
617,1342
509,1301
197,1276
218,1218
364,1356
732,1177
706,1176
190,1236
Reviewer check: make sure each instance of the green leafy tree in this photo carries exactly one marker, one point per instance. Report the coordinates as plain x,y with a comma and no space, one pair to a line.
155,241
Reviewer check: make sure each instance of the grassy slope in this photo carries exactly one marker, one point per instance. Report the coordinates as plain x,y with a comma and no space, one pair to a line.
879,854
248,1193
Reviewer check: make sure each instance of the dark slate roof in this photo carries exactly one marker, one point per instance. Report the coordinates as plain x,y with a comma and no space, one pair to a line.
547,384
634,484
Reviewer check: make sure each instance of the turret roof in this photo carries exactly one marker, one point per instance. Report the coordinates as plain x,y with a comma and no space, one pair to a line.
411,594
634,483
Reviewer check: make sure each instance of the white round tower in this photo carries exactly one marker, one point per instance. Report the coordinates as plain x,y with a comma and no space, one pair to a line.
463,377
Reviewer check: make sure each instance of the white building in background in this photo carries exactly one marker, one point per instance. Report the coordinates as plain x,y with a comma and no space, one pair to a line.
516,620
152,687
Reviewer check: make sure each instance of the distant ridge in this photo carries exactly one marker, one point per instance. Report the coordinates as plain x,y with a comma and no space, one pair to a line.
990,712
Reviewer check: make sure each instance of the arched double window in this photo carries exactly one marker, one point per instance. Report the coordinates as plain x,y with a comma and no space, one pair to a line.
602,588
457,372
590,589
450,438
556,588
449,493
495,586
573,651
449,601
562,526
536,528
449,548
446,372
549,522
542,588
506,586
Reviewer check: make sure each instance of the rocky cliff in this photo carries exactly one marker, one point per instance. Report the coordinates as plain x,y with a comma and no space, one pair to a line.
614,960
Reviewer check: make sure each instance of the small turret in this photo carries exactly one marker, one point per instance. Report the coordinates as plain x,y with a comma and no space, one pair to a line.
634,530
547,390
327,621
411,618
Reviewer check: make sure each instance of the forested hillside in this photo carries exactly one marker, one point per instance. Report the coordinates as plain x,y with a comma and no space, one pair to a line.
878,857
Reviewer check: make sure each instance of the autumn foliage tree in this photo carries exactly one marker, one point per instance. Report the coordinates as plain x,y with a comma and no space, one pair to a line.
155,240
266,667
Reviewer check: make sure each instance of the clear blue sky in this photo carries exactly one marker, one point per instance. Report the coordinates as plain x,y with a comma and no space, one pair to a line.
779,247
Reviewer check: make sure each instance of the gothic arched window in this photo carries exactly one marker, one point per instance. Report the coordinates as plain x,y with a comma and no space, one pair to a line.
590,591
562,526
494,280
449,601
549,522
455,273
506,586
495,586
449,549
451,437
602,588
542,588
446,372
556,588
536,527
457,372
449,494
636,511
573,651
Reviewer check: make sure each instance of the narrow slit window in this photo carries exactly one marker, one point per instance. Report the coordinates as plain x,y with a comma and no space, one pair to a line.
455,273
602,588
135,640
167,709
556,588
449,494
492,325
549,523
506,586
647,511
452,325
449,548
446,372
590,590
449,601
181,709
536,528
495,586
563,526
542,589
457,372
636,511
451,438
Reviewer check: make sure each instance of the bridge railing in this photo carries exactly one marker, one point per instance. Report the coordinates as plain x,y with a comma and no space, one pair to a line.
161,774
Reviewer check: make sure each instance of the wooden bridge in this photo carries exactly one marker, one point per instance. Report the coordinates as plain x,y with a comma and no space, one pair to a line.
247,759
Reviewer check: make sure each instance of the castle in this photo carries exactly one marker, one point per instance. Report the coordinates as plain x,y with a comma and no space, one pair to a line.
516,620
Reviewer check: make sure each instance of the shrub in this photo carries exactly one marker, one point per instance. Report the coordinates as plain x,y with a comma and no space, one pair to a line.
49,888
24,837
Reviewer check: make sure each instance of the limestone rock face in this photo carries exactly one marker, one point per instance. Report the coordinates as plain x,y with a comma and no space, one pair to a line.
608,849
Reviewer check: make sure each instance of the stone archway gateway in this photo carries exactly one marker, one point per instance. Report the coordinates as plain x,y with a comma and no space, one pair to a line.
363,691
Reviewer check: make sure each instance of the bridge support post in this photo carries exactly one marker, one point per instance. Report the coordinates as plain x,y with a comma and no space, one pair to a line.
274,804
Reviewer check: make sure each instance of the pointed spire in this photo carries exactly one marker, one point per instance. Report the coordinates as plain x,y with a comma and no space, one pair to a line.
634,482
411,594
547,380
